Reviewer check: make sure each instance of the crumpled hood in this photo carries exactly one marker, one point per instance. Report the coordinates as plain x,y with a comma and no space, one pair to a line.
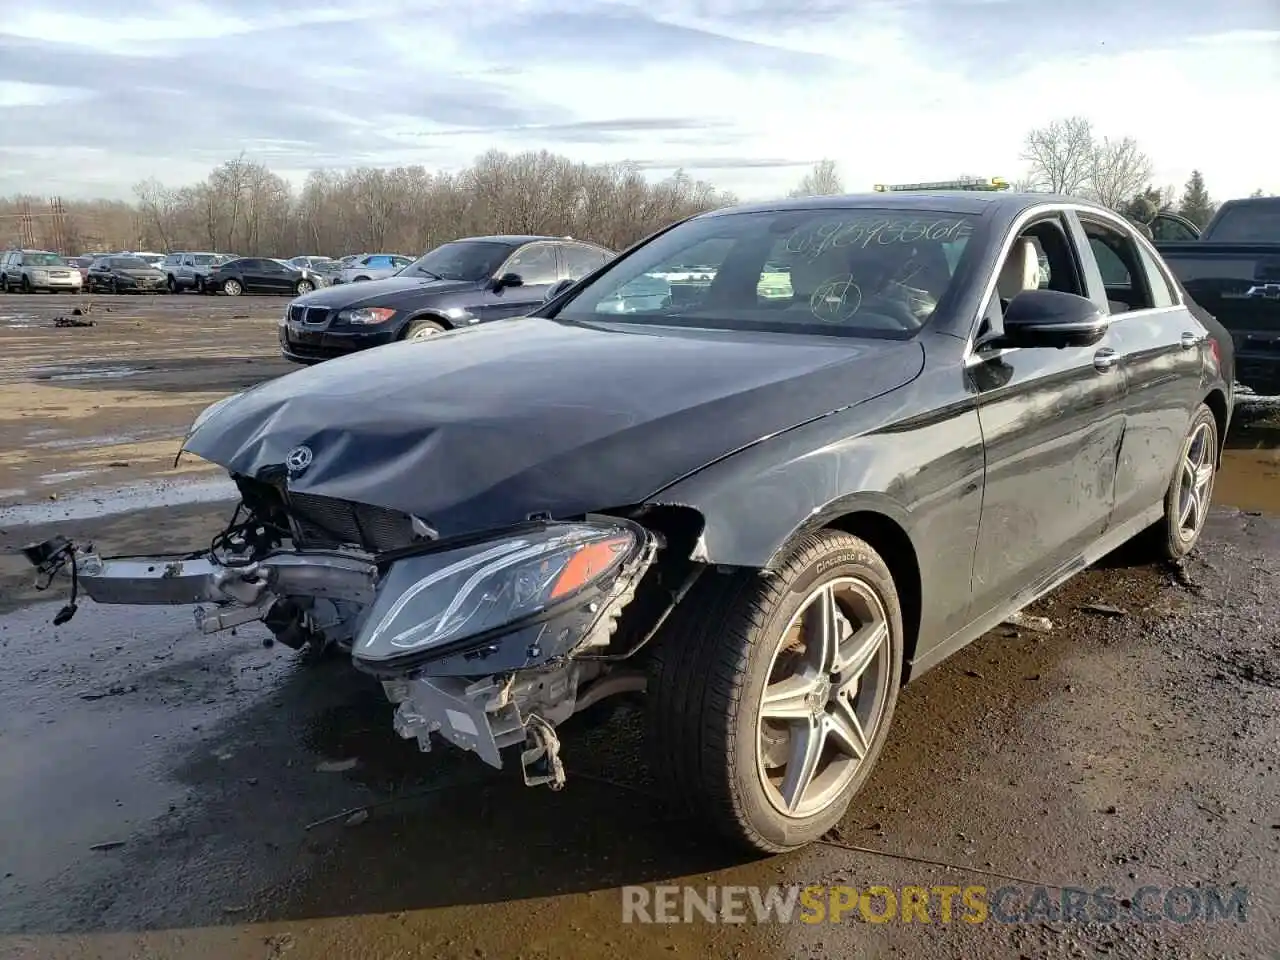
389,291
481,427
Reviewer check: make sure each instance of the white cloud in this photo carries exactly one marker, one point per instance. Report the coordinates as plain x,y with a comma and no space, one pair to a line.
19,94
888,95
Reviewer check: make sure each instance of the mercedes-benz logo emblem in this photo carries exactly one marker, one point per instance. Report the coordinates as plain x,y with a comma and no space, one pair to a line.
299,459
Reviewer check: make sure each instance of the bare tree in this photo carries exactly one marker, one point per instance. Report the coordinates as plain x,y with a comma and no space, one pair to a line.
1118,170
157,204
823,180
243,207
1060,157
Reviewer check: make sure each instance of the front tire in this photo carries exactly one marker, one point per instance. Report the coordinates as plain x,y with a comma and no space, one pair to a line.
304,286
1186,502
232,288
422,330
772,694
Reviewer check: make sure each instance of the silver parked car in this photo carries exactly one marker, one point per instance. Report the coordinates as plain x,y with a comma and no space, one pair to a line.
327,267
373,266
29,270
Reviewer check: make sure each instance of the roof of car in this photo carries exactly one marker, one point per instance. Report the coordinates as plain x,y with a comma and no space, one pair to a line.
976,202
512,238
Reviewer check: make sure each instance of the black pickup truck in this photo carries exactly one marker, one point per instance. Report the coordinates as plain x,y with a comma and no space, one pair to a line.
1233,271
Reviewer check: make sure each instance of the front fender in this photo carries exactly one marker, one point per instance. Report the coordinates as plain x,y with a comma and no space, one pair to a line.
914,456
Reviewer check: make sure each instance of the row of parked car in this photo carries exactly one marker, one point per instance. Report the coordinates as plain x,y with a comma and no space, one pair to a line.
202,272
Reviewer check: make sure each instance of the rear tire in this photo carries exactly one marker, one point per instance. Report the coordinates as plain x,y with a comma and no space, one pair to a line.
1190,493
422,330
26,284
304,286
725,749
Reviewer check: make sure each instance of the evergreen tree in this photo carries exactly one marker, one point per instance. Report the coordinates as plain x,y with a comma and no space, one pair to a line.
1196,204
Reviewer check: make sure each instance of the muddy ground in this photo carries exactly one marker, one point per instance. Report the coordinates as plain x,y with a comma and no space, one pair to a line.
164,794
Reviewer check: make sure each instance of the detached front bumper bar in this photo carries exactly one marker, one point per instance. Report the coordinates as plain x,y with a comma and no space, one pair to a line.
240,593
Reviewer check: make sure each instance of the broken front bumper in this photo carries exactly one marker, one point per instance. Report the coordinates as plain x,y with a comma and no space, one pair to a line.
475,642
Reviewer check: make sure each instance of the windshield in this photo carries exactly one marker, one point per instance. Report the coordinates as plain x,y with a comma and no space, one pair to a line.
130,263
1249,223
43,260
460,260
851,272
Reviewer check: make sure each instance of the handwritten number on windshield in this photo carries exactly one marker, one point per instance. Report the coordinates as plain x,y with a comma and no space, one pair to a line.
814,240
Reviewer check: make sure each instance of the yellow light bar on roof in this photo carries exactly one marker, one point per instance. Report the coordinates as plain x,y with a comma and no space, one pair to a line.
961,183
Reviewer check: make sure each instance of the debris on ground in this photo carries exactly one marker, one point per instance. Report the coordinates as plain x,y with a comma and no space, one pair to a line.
1105,609
73,321
107,845
1028,622
336,766
112,692
357,818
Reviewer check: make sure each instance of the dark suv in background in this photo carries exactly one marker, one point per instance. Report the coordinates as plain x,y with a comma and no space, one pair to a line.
455,285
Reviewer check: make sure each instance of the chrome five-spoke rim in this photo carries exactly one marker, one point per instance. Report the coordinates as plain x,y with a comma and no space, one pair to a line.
824,698
1195,483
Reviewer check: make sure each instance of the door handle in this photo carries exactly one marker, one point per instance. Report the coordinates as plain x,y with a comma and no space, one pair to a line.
1105,359
1189,340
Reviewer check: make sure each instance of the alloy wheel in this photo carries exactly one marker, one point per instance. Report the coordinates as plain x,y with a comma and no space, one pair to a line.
825,697
1195,482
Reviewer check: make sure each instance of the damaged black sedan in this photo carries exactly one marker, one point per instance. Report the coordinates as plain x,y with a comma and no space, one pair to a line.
764,494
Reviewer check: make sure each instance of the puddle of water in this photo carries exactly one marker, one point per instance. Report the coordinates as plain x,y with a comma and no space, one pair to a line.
106,373
1249,480
111,501
51,478
102,440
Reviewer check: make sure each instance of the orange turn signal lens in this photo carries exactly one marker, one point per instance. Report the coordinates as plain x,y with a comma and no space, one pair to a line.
587,564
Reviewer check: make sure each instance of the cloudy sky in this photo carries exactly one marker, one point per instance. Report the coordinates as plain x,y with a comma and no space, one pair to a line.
747,93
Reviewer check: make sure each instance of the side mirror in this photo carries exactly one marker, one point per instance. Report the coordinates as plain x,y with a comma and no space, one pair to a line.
1051,318
508,280
557,288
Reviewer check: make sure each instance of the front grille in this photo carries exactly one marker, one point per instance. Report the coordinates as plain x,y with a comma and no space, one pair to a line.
327,521
316,315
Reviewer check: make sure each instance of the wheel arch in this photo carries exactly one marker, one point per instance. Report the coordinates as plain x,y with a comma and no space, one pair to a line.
429,314
875,518
889,539
1216,400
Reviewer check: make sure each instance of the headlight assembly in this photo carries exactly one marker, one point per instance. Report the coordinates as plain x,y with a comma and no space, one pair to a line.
432,600
366,315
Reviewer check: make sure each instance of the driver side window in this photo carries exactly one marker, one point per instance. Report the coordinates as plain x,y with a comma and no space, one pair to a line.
536,265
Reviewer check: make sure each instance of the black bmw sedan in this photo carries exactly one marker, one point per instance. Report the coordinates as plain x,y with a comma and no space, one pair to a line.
455,285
